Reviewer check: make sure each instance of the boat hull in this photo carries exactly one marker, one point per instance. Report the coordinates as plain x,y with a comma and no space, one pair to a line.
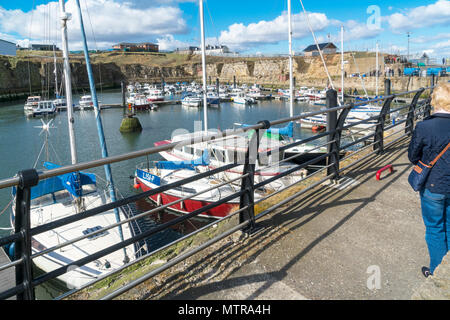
188,206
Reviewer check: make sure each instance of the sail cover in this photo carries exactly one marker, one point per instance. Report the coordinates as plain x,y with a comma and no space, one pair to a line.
71,182
188,164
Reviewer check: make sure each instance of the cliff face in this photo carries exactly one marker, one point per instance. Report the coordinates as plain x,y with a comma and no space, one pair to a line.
110,69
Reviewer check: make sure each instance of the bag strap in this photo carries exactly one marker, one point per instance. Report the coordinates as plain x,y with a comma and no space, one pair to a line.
440,155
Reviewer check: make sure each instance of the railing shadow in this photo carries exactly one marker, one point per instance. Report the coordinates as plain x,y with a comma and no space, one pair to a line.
312,205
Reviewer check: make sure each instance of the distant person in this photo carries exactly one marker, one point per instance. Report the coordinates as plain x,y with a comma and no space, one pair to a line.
430,137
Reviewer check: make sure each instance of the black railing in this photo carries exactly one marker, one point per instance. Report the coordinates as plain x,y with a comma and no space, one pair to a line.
372,135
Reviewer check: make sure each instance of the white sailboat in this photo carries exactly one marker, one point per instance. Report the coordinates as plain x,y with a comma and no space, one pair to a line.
65,195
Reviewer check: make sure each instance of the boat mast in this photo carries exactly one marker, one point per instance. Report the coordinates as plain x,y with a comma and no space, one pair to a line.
55,72
67,80
101,135
291,64
376,79
342,64
205,101
318,49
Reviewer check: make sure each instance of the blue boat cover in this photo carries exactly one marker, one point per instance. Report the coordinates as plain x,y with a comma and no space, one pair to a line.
188,164
71,182
284,131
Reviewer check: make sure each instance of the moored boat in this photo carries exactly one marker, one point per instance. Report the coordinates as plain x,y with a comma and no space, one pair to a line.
166,172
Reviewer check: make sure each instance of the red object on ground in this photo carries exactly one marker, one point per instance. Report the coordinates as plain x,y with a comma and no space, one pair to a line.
389,166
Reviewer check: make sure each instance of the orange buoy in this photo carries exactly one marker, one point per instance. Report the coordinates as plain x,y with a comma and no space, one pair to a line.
136,186
317,128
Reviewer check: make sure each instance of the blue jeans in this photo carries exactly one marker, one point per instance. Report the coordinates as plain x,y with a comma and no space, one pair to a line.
436,216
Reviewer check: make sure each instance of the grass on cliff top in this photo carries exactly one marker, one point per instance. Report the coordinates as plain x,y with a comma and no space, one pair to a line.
155,59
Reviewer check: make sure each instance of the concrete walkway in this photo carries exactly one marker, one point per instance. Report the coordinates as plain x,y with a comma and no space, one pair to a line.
365,241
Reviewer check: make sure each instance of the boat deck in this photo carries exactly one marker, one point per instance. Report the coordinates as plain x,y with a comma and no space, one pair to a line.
7,277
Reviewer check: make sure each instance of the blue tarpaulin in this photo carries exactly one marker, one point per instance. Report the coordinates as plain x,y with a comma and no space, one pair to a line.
284,131
71,182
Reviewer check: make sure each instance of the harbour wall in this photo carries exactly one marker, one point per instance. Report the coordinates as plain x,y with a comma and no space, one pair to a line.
20,76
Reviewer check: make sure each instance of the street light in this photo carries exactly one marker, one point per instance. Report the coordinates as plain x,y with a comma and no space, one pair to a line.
408,34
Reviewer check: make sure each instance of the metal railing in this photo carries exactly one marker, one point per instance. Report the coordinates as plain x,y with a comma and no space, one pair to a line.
337,131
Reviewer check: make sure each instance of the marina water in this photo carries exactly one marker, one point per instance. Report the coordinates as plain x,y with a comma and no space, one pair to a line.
21,141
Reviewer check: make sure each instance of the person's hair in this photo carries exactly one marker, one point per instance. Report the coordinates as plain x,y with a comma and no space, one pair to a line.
440,99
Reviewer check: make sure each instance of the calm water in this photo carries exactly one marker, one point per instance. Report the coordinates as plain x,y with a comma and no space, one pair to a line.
21,141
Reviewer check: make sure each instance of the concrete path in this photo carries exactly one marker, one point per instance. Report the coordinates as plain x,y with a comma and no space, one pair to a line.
365,241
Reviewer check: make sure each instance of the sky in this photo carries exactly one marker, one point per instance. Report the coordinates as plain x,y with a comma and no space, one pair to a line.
245,26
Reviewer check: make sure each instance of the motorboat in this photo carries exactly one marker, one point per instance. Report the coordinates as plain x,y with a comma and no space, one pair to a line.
232,149
155,95
191,101
201,191
86,102
241,98
30,103
43,108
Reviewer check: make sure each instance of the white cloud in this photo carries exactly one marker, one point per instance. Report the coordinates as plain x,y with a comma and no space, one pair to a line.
424,16
429,38
112,21
354,30
168,42
241,37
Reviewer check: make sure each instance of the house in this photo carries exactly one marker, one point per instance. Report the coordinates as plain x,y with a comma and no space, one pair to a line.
44,47
7,48
326,48
218,49
136,47
209,50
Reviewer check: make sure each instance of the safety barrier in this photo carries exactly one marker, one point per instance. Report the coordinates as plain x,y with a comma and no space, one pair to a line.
341,141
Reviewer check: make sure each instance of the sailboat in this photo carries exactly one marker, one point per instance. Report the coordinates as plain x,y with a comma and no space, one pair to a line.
68,194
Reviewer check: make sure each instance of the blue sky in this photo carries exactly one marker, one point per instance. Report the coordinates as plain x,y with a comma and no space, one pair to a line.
246,26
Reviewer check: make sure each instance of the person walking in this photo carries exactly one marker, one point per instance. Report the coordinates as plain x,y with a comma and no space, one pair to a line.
429,139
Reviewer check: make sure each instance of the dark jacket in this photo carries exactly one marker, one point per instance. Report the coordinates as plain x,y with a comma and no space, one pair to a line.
430,137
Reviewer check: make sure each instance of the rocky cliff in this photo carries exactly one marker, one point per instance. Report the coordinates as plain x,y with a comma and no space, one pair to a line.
32,71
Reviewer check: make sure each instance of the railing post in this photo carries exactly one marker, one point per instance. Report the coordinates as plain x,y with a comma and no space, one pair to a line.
22,249
379,129
247,199
332,147
122,87
409,125
387,87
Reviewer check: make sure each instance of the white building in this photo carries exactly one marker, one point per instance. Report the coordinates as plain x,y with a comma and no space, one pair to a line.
7,48
214,50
